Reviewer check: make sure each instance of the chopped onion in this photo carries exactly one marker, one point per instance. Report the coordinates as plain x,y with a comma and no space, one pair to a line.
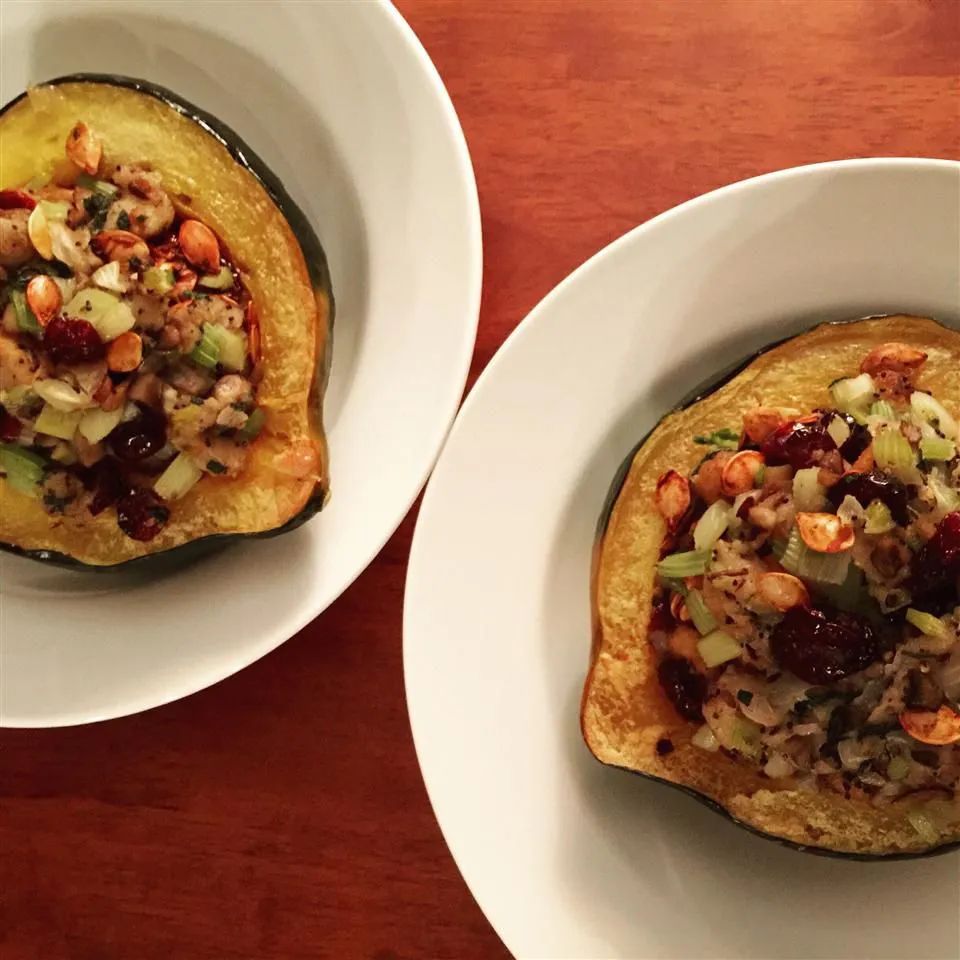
759,711
852,753
778,766
850,511
705,740
808,494
839,430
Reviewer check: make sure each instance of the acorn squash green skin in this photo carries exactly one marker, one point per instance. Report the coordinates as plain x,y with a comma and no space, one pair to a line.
698,396
319,275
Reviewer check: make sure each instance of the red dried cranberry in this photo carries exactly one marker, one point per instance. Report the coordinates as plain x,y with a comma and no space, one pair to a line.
867,487
685,688
16,200
938,562
821,647
799,443
9,425
859,439
71,340
660,616
141,514
141,437
106,483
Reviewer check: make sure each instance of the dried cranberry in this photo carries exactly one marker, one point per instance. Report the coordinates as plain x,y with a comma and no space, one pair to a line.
821,647
867,487
859,439
72,340
16,200
938,562
685,688
141,514
141,437
799,443
106,483
9,425
660,616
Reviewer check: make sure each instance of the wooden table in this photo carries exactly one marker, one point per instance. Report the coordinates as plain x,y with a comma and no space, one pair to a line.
281,814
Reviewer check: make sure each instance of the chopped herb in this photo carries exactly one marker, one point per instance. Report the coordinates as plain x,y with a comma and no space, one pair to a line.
97,205
123,220
745,696
215,466
725,438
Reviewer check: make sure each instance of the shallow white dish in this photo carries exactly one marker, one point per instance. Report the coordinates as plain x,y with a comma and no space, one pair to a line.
343,104
568,858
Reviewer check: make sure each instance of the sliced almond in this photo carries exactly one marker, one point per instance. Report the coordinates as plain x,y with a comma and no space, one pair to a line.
44,298
741,472
199,245
782,591
936,727
673,498
825,532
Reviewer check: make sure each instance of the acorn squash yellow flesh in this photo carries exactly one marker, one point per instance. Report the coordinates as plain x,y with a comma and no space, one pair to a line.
624,710
217,179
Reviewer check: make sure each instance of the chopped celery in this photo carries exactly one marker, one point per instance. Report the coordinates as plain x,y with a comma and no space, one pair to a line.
24,468
231,345
96,424
884,410
892,451
853,394
103,187
179,477
800,560
937,448
222,280
57,423
924,825
158,280
688,564
711,526
718,647
60,395
930,410
251,429
26,321
54,211
700,614
849,596
898,768
947,498
808,494
207,351
878,518
705,740
109,315
839,431
927,623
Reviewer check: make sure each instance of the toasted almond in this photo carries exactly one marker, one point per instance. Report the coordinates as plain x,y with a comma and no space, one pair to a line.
782,591
38,230
200,245
936,727
84,148
44,298
894,357
673,498
125,352
121,245
678,608
825,532
741,472
760,422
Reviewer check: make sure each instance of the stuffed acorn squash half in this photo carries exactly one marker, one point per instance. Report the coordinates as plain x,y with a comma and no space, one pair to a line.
777,615
166,316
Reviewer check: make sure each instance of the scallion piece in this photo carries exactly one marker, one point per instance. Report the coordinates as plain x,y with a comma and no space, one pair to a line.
937,448
718,647
854,394
711,526
926,623
689,564
878,518
26,321
24,468
207,351
800,560
700,614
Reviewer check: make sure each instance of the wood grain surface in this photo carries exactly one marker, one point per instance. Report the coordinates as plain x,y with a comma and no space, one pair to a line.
281,814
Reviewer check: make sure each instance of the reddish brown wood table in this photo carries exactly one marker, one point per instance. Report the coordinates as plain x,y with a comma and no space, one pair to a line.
281,814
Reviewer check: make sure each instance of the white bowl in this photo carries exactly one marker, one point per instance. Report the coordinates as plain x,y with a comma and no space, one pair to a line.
343,104
568,858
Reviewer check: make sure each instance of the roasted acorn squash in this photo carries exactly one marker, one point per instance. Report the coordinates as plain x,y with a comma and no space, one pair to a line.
624,711
211,174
